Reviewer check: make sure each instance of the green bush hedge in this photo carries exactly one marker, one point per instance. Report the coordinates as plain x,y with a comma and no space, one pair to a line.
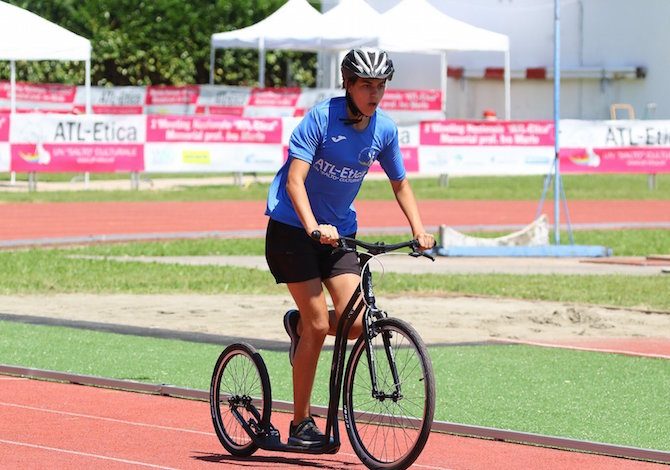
162,42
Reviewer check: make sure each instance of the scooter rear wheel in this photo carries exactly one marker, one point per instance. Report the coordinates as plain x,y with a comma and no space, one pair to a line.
240,389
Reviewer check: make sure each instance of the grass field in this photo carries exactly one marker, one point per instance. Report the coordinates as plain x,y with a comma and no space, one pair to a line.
582,395
50,271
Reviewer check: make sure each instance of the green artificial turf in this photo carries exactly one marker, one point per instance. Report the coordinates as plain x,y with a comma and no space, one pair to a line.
583,395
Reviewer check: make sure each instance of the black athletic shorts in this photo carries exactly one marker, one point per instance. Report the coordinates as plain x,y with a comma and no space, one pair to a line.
293,256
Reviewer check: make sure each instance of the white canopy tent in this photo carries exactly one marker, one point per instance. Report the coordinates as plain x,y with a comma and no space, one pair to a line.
410,26
351,23
27,36
296,25
417,26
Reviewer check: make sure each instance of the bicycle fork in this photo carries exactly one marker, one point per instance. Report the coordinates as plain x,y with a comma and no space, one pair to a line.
377,393
372,313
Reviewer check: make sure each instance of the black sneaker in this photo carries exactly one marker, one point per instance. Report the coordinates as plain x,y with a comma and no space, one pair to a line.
305,434
291,326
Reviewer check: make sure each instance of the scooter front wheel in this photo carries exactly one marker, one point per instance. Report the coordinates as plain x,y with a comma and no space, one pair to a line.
388,425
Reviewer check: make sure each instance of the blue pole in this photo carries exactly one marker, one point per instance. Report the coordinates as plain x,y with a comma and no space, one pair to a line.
557,118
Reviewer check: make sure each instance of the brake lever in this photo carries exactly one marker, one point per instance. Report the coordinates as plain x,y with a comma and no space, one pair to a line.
430,257
341,244
416,252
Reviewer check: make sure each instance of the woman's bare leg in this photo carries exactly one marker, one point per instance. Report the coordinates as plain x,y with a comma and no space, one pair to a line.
340,289
316,322
312,328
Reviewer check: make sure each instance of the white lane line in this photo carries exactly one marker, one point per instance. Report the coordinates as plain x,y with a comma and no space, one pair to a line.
414,465
101,418
83,454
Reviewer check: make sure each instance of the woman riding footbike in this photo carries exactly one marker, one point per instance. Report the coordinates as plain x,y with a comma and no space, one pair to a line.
330,152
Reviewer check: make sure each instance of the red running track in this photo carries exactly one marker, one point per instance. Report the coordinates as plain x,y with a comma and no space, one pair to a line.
645,347
63,426
22,221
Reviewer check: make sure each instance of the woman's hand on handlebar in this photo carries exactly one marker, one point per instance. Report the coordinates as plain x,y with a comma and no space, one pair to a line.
426,241
329,234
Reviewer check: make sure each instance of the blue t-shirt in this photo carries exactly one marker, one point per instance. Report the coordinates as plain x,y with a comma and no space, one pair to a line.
340,157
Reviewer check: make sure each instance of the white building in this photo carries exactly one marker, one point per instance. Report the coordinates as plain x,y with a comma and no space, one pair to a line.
612,51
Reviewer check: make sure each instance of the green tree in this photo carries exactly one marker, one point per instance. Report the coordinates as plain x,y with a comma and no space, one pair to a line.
162,42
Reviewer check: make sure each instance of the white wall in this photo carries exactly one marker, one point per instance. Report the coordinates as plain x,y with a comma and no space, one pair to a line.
596,34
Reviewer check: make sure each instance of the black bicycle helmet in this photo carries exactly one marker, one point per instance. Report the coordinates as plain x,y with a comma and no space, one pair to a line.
367,63
364,63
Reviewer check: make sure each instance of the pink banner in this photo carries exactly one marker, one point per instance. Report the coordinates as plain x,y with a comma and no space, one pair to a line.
110,109
45,93
410,157
4,127
158,95
280,97
218,110
107,158
487,133
221,129
616,160
412,100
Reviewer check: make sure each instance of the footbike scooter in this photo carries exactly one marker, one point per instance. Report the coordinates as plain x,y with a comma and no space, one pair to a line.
388,386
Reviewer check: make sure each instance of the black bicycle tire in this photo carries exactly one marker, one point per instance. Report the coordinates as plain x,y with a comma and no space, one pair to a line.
244,349
358,352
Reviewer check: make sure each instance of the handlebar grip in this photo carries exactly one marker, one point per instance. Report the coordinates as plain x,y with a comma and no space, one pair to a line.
316,235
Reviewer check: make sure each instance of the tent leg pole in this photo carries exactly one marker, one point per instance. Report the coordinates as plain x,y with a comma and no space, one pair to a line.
557,120
12,106
508,88
443,82
212,57
261,63
87,86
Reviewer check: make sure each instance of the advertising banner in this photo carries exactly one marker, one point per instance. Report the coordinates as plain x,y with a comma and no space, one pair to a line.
615,146
57,143
112,100
213,144
4,142
171,99
406,106
408,138
39,142
412,100
4,127
486,147
34,96
216,99
273,102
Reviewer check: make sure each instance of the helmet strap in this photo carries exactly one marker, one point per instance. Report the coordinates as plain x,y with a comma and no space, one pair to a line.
354,110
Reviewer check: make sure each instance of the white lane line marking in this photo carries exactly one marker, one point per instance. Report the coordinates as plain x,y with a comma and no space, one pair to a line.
101,418
414,465
153,426
83,454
